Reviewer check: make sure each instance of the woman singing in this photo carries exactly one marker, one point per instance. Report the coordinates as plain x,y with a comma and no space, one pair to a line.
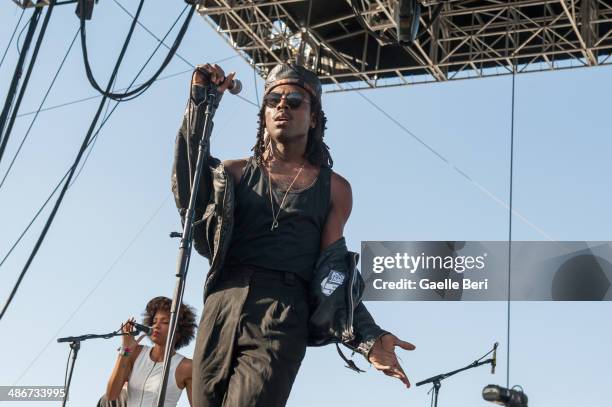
141,366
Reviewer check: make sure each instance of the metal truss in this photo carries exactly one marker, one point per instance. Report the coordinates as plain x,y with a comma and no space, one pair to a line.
31,3
351,44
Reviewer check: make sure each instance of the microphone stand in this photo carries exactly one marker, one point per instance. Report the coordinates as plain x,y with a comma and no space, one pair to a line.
75,346
436,380
212,102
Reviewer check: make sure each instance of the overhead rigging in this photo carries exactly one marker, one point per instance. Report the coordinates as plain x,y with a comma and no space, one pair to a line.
356,41
10,104
67,179
129,95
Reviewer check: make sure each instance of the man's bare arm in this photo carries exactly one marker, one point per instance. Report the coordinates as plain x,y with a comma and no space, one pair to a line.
340,209
382,354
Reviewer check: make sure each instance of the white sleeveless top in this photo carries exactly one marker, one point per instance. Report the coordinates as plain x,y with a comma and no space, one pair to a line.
144,381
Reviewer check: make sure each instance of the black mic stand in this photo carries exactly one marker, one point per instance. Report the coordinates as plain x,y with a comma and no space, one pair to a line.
212,102
436,380
75,346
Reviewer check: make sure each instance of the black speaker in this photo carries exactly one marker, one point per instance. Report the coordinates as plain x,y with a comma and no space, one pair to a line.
407,15
87,9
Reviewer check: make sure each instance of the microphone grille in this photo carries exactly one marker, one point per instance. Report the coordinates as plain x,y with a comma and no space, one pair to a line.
237,88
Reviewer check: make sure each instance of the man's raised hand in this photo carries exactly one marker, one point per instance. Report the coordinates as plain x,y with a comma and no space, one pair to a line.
382,356
217,76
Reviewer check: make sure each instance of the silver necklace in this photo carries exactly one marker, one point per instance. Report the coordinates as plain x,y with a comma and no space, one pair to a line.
275,217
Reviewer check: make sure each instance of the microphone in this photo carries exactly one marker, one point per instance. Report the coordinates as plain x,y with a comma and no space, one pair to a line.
504,397
235,86
143,328
494,360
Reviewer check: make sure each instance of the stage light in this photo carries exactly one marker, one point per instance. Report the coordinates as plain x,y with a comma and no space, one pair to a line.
407,15
87,9
504,397
31,3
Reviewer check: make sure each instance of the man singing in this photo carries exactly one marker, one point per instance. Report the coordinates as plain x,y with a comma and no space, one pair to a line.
263,222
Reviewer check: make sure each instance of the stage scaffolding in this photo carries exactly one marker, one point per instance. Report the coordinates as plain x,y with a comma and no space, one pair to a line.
352,44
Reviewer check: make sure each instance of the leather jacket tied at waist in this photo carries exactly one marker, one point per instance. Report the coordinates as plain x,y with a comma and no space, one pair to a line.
213,224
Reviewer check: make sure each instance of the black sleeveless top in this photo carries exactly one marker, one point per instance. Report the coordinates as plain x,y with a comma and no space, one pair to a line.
294,245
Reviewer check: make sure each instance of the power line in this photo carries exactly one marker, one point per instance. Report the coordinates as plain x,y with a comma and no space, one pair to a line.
87,140
97,96
93,97
111,268
455,168
38,111
19,38
12,36
510,230
8,103
511,211
41,35
153,34
97,285
82,149
34,218
66,174
107,115
192,65
86,143
141,88
93,142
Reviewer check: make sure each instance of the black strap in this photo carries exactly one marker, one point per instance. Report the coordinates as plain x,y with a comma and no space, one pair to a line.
349,362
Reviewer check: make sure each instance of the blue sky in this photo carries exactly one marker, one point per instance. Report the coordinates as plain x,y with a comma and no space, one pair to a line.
108,251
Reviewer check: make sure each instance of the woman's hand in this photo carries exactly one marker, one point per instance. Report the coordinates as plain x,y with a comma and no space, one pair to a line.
217,76
123,365
382,356
128,340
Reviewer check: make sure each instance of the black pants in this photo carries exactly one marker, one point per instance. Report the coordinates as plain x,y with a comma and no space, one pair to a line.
251,340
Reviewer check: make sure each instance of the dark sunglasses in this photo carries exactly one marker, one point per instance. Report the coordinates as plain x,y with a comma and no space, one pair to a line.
293,99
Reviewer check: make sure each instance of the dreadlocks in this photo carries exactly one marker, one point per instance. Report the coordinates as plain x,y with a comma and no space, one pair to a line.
317,152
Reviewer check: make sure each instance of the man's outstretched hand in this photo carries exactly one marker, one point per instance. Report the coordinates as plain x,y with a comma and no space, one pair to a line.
382,356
